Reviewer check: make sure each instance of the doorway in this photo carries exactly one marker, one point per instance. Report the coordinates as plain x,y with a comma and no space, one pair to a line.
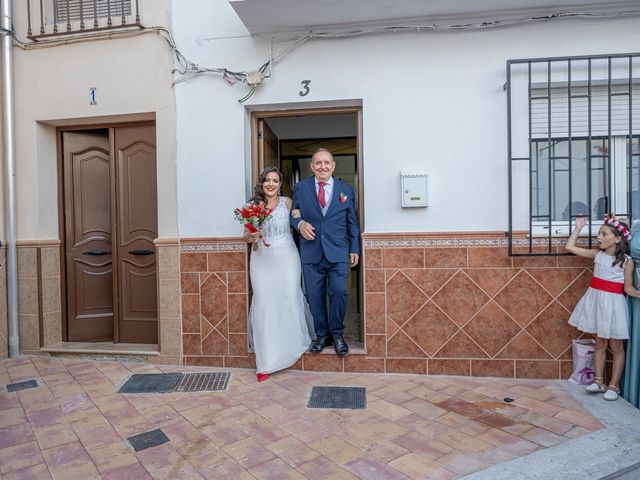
109,220
287,140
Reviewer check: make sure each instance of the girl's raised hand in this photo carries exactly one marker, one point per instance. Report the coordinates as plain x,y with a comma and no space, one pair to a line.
580,222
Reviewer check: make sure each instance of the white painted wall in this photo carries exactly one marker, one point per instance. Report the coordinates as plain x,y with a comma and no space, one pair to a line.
431,103
133,77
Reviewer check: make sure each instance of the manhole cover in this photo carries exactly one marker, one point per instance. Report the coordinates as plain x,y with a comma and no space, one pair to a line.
146,440
338,397
198,382
151,383
15,387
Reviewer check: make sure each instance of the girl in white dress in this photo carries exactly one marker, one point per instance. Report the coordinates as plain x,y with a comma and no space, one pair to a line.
278,317
603,309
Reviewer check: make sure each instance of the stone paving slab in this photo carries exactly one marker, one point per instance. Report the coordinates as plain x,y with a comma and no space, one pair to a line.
75,425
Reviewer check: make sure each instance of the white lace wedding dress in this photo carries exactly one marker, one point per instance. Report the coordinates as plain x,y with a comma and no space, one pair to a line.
279,319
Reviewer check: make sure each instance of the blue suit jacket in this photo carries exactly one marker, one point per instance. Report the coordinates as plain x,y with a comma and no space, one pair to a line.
337,232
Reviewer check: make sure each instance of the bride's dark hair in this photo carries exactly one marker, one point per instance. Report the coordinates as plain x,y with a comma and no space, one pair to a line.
258,191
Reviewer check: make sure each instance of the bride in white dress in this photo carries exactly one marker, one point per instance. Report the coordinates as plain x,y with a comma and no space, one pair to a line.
278,318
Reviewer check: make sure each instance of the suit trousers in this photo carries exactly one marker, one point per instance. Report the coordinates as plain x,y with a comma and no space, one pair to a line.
324,278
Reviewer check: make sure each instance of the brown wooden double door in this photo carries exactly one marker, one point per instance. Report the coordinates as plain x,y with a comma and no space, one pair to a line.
110,223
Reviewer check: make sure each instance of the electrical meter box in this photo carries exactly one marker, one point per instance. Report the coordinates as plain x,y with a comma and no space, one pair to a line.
414,189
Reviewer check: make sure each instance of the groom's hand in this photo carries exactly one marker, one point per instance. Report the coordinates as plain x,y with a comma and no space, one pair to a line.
307,230
354,258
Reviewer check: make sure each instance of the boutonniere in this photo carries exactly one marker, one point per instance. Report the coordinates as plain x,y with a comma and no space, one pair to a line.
343,197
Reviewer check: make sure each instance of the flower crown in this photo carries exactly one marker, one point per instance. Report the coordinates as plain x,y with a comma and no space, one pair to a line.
615,223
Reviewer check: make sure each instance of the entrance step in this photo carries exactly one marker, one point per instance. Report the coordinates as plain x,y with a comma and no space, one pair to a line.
130,352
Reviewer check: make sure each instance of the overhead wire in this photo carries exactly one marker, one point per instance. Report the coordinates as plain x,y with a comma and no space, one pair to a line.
185,69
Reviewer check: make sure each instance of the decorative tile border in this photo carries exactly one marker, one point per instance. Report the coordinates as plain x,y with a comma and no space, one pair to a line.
214,247
456,242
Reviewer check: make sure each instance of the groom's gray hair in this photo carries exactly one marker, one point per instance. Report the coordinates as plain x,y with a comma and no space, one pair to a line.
319,150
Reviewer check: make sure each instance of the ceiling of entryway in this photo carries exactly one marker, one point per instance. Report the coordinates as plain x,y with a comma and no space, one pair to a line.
271,16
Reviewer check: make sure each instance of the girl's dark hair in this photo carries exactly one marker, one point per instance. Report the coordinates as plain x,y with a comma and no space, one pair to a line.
258,191
622,247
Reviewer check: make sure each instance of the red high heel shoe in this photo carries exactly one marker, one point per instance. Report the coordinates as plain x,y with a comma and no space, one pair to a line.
262,377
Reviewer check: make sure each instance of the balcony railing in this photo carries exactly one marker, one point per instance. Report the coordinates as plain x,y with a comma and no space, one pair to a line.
65,17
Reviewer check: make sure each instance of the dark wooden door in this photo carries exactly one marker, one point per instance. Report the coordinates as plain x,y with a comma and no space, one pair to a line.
110,226
268,151
88,172
136,216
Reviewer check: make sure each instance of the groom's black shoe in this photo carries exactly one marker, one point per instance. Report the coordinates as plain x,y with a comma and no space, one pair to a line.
340,345
319,343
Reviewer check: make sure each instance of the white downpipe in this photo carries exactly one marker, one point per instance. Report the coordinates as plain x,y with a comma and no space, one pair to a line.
8,136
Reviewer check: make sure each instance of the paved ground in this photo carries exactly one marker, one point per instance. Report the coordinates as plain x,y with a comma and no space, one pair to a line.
75,425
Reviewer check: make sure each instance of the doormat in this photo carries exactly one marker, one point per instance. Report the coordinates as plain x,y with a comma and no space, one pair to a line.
16,387
145,440
151,383
176,382
200,382
338,397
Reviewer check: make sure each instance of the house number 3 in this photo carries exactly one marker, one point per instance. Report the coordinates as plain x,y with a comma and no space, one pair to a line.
305,88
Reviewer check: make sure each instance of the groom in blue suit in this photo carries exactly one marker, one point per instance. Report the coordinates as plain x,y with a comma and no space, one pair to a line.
329,247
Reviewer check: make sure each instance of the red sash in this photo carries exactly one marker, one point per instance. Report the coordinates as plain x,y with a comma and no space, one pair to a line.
606,285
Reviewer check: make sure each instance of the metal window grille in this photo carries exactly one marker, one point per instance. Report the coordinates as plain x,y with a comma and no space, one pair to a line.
69,10
51,18
573,146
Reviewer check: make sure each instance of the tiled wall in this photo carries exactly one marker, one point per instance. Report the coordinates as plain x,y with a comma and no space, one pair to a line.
40,299
444,305
462,306
50,295
28,300
213,278
39,296
168,255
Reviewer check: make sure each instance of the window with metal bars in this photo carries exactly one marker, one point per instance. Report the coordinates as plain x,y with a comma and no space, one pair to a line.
573,146
51,18
73,10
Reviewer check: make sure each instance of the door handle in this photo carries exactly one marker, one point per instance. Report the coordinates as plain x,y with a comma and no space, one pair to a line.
142,252
96,253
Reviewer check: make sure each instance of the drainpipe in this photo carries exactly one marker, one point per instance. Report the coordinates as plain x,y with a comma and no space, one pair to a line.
8,136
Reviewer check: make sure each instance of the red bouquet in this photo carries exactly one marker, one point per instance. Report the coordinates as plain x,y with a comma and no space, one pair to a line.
252,216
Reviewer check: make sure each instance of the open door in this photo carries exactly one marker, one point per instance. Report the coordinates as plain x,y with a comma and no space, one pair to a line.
268,151
300,133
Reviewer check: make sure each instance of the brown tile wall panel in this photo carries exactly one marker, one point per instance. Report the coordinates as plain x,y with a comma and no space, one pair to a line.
323,363
193,262
493,368
376,345
204,361
453,304
449,367
362,364
537,369
240,362
470,309
406,365
213,283
170,290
